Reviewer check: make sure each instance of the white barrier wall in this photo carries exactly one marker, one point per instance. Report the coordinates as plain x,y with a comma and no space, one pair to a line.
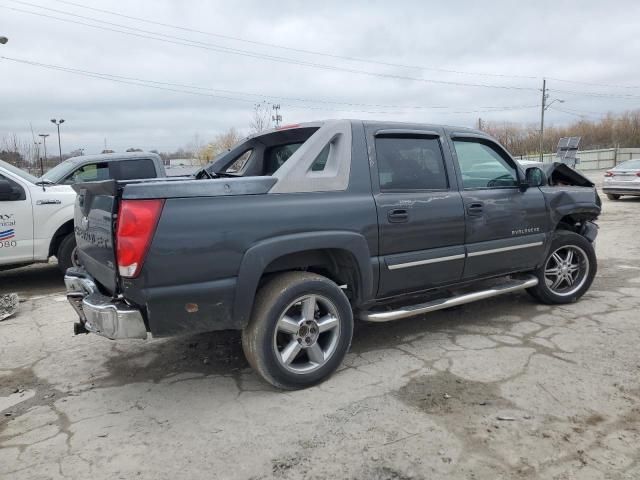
594,159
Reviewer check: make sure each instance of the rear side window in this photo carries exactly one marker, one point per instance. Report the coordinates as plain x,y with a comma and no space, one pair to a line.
134,169
410,164
276,156
321,160
240,162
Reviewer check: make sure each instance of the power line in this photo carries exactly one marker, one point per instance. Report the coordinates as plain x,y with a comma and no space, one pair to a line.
577,113
259,95
214,47
184,89
342,57
596,94
593,84
221,49
293,49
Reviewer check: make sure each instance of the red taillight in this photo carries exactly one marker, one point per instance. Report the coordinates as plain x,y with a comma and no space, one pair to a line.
637,174
608,174
137,221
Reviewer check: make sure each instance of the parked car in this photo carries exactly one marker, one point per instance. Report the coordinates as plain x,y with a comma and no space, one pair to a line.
296,231
36,214
624,179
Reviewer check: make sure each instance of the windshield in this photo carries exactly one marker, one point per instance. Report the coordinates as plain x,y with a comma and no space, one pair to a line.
629,165
19,172
60,171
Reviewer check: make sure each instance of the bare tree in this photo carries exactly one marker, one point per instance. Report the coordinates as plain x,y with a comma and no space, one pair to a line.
260,118
621,130
16,150
221,143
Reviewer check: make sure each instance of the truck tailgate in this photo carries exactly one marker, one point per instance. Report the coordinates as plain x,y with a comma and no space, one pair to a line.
94,218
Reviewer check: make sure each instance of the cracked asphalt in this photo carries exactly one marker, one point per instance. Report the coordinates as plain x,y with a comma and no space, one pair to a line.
499,389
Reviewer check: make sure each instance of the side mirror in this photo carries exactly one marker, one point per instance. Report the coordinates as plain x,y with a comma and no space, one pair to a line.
6,190
533,177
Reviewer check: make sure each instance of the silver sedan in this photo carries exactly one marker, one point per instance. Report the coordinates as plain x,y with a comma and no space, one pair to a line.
624,179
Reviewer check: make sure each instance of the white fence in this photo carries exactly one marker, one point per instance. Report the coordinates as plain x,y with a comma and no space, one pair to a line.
594,159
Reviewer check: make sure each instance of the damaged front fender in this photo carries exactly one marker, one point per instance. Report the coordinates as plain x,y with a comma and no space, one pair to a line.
572,199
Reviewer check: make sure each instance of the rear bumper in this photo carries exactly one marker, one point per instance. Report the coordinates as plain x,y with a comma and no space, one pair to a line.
621,191
100,314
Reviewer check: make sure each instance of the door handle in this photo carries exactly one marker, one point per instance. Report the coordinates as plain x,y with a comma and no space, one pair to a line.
475,209
398,215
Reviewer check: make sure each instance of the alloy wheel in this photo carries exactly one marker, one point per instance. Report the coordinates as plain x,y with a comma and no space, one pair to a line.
566,270
306,334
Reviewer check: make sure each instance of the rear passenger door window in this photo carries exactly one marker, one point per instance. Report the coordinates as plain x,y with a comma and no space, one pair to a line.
410,164
133,169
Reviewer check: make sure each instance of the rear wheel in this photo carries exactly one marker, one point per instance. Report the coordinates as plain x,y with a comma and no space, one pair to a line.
568,270
300,330
613,196
67,253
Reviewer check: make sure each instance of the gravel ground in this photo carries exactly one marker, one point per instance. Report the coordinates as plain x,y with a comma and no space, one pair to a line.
503,388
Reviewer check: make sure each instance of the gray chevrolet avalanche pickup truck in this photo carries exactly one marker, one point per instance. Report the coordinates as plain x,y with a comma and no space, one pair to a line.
295,231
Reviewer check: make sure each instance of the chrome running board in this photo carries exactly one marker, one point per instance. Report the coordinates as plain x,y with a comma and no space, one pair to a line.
512,285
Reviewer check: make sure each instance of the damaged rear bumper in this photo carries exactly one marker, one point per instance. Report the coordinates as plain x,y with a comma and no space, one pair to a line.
100,314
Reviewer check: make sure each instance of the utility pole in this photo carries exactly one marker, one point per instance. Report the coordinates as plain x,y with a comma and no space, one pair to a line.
57,124
277,118
544,107
479,123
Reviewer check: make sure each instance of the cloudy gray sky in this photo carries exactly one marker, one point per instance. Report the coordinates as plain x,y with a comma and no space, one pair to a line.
403,57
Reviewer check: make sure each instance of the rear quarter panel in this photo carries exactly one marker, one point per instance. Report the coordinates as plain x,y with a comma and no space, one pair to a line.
200,242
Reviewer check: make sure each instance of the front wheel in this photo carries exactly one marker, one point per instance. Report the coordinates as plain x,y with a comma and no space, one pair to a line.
612,196
300,330
568,270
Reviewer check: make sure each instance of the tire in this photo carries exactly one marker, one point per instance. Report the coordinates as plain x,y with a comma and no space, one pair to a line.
269,340
613,196
581,268
66,254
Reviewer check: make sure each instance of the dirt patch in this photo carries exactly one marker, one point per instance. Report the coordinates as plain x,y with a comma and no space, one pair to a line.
445,393
24,380
386,473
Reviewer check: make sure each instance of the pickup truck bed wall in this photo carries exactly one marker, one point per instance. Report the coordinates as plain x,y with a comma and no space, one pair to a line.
216,238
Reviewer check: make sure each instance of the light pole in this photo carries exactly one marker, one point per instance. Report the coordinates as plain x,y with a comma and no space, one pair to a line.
44,143
57,123
38,157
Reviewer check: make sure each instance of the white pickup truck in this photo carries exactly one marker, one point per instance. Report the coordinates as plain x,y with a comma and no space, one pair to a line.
36,214
36,219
